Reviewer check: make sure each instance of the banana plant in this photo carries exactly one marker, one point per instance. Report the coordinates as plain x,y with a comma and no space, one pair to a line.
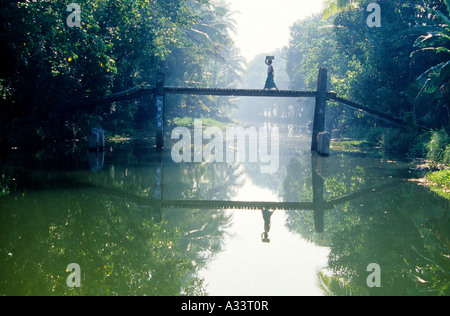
435,80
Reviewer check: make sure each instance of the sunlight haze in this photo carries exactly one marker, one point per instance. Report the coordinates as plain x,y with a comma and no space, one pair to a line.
263,25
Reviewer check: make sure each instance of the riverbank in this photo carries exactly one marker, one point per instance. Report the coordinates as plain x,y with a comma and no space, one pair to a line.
349,145
434,176
438,182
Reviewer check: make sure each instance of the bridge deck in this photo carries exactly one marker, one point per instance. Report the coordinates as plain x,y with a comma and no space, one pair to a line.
281,206
244,92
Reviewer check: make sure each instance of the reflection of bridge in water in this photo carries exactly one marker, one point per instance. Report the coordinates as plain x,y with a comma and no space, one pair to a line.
276,206
318,205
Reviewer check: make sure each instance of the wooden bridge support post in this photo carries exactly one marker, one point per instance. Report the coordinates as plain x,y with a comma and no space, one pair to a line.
159,185
318,192
319,114
159,104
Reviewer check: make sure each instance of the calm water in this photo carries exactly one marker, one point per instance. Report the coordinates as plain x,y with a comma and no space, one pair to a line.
123,219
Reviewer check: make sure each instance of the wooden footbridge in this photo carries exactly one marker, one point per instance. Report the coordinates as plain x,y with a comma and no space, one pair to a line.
321,95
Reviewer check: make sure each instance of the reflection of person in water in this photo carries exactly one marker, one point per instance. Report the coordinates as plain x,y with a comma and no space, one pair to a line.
267,215
270,83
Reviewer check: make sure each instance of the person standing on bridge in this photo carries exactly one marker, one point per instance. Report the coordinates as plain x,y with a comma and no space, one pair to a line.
270,83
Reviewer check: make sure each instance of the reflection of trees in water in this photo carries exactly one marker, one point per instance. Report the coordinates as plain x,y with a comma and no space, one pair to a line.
103,222
295,142
119,245
201,181
397,228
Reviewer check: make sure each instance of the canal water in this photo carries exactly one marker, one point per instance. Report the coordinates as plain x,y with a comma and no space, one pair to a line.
134,222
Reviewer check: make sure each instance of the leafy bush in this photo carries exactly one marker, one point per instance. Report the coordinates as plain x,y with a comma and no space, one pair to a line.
419,148
439,183
375,135
441,178
439,147
397,141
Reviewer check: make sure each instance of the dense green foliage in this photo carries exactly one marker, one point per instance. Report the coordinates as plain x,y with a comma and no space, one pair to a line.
400,68
110,224
120,45
401,226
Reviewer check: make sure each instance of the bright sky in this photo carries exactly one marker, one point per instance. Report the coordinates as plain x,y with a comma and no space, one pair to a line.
263,25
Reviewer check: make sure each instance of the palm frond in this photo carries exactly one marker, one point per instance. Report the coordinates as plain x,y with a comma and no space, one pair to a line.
333,7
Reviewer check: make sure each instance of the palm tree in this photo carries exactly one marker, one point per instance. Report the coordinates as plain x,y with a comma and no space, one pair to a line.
333,7
212,30
333,285
436,79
